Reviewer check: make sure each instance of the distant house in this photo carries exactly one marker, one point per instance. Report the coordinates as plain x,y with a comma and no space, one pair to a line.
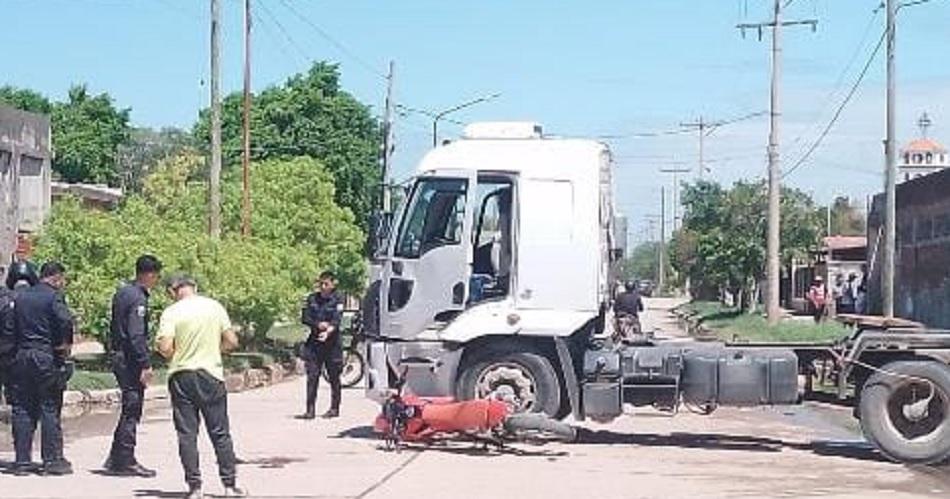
838,255
25,173
92,195
922,256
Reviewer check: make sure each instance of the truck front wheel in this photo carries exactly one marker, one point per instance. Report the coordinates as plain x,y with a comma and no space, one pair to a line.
905,411
525,380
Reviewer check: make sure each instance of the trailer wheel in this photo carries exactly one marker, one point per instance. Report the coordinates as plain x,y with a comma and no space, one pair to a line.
905,411
525,380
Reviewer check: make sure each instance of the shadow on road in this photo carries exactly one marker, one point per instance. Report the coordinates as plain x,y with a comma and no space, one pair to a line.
161,494
458,444
715,441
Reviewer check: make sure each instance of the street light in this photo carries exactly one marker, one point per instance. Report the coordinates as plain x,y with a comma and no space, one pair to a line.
441,114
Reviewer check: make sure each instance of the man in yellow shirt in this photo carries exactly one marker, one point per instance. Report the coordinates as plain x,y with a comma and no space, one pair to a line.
192,333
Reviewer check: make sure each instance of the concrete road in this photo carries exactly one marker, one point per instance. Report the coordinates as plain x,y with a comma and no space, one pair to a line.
804,451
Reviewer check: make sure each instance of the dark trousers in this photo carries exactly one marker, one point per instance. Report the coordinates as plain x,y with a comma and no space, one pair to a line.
196,395
331,359
133,393
37,398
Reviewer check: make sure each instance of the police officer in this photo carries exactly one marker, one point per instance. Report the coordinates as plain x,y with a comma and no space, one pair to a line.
43,327
21,274
324,347
129,344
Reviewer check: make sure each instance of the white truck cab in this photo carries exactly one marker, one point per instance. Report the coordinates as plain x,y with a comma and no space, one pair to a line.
503,243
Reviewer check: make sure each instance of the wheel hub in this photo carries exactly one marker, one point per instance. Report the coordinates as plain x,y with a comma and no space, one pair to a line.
918,410
510,383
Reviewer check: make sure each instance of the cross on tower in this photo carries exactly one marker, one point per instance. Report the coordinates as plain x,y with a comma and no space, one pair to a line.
924,122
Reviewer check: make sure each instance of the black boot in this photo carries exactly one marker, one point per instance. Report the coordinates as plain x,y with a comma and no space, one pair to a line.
311,411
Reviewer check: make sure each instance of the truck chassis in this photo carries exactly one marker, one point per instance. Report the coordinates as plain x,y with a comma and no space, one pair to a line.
897,379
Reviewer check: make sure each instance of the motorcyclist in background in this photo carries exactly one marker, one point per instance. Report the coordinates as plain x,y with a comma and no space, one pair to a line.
627,310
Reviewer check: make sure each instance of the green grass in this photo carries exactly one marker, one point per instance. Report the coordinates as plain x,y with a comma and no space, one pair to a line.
103,380
730,324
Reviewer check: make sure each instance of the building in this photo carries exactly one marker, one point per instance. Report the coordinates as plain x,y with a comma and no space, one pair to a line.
25,173
838,255
922,257
923,155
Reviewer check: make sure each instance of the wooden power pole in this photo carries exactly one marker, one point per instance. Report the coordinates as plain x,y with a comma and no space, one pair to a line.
773,266
246,157
215,175
386,154
890,170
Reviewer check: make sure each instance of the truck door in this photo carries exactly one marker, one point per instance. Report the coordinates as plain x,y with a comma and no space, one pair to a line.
427,274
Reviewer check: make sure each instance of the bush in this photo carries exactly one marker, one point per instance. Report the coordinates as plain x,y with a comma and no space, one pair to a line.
298,230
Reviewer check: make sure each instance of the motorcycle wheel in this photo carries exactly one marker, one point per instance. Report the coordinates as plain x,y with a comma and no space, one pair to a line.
527,425
354,368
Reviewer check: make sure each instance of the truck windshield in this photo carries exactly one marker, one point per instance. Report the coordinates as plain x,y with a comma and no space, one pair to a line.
435,217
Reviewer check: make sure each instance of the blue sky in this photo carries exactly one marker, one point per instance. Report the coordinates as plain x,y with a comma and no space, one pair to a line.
579,67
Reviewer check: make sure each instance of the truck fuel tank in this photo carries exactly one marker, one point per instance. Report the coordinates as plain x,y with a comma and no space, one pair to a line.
739,377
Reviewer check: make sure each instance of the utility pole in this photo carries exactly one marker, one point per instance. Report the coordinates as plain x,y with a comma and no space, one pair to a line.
246,157
675,193
701,126
215,180
890,170
661,272
773,267
387,152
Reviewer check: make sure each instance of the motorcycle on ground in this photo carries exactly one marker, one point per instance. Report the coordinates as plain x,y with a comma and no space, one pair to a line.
409,418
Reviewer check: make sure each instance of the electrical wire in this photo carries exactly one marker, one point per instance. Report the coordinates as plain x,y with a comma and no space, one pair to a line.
280,27
854,88
333,41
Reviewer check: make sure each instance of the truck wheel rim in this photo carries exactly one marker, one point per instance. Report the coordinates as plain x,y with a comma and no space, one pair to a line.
912,416
510,383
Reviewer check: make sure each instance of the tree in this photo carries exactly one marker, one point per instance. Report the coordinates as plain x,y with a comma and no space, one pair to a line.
300,230
309,115
87,133
25,99
846,218
642,262
722,242
146,147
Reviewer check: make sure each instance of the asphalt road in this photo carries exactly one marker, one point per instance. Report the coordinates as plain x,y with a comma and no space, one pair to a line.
787,452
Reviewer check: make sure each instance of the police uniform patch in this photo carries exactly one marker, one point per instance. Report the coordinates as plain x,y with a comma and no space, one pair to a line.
140,310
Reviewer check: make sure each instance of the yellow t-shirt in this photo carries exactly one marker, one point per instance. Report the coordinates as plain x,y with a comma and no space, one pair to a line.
195,324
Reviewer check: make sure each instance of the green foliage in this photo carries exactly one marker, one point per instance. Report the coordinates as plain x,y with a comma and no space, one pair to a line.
145,149
722,242
309,115
260,280
25,100
846,218
87,132
730,324
642,262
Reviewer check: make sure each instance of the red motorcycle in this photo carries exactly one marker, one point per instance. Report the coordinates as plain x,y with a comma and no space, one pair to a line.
408,418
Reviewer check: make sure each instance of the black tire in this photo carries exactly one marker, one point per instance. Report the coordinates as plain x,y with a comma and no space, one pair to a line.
923,438
543,393
541,425
354,368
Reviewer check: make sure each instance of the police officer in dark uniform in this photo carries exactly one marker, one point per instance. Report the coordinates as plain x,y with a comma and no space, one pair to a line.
129,344
43,328
20,275
324,346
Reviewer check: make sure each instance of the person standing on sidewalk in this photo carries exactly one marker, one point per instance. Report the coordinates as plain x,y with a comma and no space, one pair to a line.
324,347
43,328
192,333
129,344
20,275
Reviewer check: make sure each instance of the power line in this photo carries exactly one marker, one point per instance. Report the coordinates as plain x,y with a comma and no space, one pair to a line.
333,41
280,27
844,103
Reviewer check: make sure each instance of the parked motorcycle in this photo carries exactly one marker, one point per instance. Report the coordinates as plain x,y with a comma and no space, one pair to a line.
409,418
354,365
